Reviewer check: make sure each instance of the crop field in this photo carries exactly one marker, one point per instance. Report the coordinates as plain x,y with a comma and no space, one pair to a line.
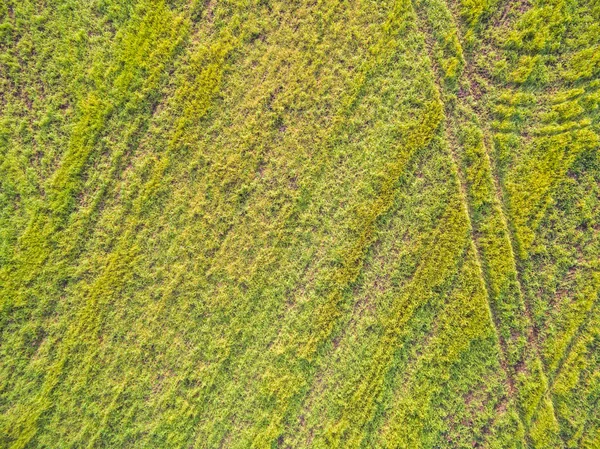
300,224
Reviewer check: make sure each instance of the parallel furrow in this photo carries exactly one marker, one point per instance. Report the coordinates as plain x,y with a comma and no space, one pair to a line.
490,231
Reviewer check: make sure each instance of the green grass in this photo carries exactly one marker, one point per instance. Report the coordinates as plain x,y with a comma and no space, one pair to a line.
259,224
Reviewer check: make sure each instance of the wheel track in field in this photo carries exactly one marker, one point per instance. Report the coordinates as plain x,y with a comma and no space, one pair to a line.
573,341
588,425
532,331
499,19
473,93
555,375
429,44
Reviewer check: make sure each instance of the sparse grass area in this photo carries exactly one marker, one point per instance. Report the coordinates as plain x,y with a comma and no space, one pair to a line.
259,224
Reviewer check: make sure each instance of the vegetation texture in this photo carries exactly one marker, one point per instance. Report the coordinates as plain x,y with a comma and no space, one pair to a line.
284,224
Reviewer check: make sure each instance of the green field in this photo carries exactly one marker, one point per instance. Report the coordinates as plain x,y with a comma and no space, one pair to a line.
299,224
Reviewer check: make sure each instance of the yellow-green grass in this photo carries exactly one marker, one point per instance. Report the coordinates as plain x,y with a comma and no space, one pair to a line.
250,223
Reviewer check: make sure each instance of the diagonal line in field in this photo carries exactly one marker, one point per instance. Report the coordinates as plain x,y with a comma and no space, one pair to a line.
554,376
462,186
468,101
551,377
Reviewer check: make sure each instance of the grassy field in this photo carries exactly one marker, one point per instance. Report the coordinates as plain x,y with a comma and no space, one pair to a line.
320,224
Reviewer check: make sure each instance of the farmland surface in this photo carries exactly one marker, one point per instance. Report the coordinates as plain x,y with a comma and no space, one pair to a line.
300,224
